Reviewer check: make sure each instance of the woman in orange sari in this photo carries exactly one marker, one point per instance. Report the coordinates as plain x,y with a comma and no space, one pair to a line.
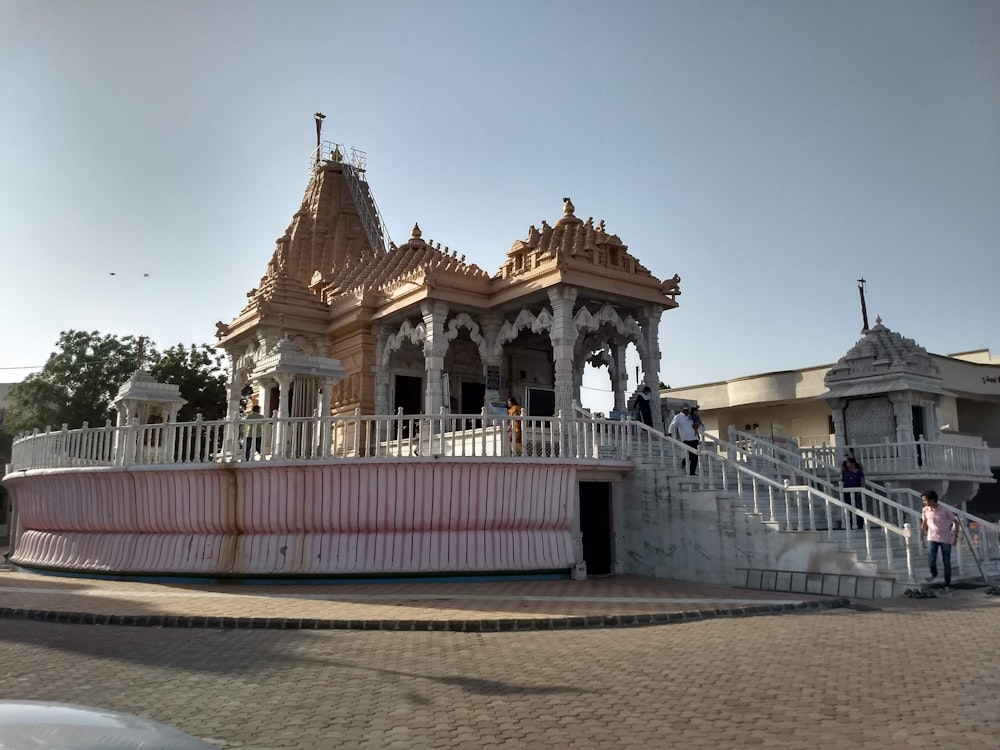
514,425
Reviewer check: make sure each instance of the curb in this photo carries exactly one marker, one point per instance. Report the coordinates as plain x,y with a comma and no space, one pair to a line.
461,626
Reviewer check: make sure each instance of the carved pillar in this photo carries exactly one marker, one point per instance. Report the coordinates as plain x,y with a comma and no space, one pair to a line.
651,360
435,348
619,375
235,384
325,395
902,411
490,327
563,337
381,370
837,413
284,381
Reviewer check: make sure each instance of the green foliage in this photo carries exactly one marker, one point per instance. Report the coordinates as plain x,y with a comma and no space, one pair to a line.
199,374
82,377
76,385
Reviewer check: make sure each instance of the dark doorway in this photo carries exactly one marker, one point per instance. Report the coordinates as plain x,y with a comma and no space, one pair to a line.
409,394
595,526
918,429
541,402
410,397
473,397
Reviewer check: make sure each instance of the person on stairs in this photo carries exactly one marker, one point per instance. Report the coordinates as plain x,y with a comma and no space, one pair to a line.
851,476
939,526
682,428
643,404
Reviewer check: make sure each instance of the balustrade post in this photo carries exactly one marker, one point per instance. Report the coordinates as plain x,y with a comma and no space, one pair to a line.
63,447
399,431
909,551
131,441
357,431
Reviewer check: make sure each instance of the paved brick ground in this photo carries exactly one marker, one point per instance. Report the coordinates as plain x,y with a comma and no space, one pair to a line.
479,606
838,678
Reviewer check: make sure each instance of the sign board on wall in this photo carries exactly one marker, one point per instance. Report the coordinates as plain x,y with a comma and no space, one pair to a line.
493,378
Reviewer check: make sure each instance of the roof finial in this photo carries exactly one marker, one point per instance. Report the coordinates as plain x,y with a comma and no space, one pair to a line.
416,233
864,308
568,207
319,128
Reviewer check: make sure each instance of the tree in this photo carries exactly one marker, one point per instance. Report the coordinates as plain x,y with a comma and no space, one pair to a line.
198,372
82,377
76,385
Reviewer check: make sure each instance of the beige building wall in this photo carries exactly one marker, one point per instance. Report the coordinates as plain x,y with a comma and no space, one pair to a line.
790,404
784,404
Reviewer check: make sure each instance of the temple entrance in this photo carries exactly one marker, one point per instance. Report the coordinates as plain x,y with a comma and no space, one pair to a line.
409,394
473,397
595,526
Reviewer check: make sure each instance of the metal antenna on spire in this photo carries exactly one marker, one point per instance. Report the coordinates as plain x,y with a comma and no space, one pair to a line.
864,308
319,129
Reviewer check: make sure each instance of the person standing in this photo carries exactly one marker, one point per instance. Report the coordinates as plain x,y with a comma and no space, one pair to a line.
939,526
514,425
851,476
643,403
696,423
252,438
682,428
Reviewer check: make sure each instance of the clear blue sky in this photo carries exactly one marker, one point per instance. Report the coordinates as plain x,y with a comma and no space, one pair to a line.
770,152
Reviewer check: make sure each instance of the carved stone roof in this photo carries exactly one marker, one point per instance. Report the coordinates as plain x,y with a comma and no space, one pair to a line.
144,388
326,257
287,358
883,361
582,241
415,261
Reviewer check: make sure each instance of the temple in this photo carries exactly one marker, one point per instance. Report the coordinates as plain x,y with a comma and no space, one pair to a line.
417,328
383,444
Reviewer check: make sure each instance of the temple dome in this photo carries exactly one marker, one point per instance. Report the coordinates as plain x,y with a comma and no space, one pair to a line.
883,361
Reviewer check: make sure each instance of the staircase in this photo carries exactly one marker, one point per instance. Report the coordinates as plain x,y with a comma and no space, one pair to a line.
798,521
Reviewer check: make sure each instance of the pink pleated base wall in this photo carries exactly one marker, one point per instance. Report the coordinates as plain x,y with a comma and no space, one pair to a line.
344,518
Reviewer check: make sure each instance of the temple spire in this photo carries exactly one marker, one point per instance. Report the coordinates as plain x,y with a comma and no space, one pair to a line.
864,308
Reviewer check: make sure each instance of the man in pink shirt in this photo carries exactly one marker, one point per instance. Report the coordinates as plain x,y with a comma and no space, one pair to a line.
940,526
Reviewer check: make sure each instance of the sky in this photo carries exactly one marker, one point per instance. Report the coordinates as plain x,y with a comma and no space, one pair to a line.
770,152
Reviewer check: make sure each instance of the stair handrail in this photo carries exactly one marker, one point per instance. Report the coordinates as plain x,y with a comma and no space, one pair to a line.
902,531
882,502
987,541
723,457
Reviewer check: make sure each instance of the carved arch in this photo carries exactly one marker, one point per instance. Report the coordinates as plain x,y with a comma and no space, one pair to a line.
464,320
243,363
415,334
628,328
525,319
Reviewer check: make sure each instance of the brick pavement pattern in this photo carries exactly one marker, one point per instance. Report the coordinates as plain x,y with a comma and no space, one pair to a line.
480,606
833,678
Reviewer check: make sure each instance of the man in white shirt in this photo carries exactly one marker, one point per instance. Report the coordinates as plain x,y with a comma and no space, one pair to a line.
682,428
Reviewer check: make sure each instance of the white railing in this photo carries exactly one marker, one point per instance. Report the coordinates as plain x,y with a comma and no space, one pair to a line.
984,535
898,506
815,506
952,459
344,436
